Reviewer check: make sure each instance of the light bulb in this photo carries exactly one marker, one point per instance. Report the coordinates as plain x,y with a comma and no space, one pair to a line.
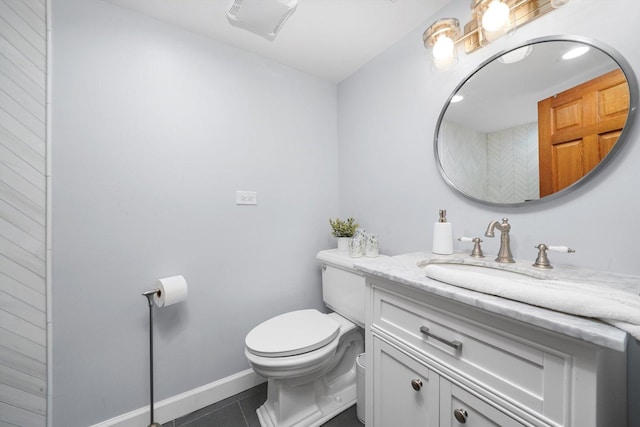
496,16
443,49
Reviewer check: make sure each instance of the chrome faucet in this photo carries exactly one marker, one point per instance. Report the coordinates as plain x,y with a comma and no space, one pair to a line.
504,254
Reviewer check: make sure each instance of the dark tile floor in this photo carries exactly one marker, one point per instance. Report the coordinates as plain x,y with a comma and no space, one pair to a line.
240,411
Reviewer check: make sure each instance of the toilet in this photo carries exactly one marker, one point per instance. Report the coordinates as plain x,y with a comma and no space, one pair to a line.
309,357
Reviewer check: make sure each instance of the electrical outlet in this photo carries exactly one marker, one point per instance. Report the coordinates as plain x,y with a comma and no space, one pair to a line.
246,198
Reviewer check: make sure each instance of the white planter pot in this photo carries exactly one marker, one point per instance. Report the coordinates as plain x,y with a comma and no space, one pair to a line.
343,244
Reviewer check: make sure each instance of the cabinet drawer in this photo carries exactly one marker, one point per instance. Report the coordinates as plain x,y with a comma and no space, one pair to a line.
405,393
457,407
521,373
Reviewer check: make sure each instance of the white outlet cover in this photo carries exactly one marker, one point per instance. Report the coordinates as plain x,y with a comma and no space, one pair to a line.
246,197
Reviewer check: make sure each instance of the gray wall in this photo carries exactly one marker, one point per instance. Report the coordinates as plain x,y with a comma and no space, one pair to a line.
389,180
23,320
154,129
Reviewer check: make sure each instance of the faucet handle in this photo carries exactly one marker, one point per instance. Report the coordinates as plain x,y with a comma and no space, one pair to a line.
565,249
477,250
542,261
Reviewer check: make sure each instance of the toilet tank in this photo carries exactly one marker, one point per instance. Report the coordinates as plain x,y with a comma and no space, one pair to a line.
343,286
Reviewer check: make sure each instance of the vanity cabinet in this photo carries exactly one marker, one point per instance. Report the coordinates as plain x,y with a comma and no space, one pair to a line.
436,362
408,393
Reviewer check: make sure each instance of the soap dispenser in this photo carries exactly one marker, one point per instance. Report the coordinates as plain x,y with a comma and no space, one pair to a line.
442,235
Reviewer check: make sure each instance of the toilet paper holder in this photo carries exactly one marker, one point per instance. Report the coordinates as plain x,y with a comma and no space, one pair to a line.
170,290
149,295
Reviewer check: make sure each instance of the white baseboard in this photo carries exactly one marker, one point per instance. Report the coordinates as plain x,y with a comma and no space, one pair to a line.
187,402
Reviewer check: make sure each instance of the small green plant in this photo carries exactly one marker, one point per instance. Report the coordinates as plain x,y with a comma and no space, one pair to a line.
343,228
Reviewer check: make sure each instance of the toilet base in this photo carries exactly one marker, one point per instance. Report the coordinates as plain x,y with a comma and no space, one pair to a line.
311,400
308,409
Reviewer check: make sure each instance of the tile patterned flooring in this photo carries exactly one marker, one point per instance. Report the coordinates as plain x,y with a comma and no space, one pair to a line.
240,411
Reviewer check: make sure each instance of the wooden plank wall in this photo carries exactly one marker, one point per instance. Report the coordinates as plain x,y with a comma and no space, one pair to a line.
23,324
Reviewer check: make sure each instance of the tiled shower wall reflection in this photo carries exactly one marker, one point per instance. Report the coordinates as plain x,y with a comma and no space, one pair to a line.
501,166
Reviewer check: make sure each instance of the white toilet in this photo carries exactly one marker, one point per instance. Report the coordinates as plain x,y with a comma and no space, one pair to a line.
308,357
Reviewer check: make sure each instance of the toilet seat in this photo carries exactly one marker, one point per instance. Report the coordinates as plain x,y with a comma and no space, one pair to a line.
292,333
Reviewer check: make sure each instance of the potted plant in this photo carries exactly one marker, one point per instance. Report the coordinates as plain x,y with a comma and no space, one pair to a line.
343,231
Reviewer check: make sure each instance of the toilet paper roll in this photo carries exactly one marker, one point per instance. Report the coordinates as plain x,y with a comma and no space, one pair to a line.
171,290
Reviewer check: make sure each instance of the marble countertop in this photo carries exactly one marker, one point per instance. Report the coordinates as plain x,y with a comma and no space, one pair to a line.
404,269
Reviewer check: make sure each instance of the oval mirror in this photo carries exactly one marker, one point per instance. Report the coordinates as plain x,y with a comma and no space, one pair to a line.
536,121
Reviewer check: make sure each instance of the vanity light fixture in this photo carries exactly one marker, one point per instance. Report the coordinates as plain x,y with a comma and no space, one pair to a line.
440,37
494,18
490,20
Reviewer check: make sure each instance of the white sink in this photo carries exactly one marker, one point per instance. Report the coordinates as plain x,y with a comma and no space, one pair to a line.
498,271
488,267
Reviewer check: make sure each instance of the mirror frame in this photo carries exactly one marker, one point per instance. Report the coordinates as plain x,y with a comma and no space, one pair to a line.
624,135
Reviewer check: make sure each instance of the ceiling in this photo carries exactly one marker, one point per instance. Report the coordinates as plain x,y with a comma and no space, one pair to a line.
330,39
502,96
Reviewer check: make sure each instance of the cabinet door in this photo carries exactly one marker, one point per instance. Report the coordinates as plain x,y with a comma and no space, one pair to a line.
458,408
405,392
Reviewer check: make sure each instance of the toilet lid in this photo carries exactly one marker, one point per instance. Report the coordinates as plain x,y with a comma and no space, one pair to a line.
292,333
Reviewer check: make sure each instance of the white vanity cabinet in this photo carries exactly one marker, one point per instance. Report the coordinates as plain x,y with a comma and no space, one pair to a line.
405,391
432,361
421,397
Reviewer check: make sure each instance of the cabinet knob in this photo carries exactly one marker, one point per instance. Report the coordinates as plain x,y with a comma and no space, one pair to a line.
416,384
461,415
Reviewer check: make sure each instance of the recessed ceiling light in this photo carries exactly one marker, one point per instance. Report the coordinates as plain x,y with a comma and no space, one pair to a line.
456,98
575,52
